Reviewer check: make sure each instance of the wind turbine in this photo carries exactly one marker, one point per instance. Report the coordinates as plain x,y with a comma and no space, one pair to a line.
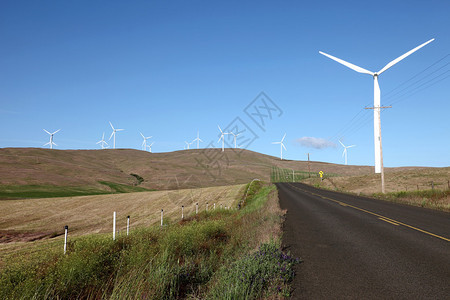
102,141
150,147
51,143
376,103
345,150
188,144
198,139
234,137
144,143
221,137
114,134
281,146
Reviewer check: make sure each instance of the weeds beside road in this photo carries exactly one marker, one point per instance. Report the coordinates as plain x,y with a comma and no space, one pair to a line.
217,254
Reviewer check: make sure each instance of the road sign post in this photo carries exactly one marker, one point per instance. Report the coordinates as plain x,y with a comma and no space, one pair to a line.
321,175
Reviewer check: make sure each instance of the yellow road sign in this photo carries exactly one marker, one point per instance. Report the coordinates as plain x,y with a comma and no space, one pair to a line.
321,174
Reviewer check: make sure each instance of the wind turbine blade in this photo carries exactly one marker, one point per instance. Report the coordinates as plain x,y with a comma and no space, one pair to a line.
220,129
283,137
111,135
283,146
347,64
200,140
142,134
276,142
99,142
54,144
221,137
341,143
403,56
120,129
47,131
46,144
56,131
111,125
149,137
351,146
343,153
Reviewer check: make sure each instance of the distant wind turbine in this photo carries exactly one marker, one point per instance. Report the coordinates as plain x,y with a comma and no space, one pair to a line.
114,134
344,154
51,143
234,137
102,142
376,103
144,143
222,137
281,146
150,147
188,145
198,139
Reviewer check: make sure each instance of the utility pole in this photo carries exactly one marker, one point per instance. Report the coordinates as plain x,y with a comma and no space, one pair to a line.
309,169
378,111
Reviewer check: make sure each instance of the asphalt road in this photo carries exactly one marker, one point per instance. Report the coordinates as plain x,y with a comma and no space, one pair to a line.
360,248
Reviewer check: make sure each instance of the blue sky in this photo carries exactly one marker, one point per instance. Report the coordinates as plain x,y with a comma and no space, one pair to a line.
170,68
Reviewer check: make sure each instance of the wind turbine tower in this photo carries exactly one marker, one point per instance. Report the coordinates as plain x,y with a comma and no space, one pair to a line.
222,137
234,137
114,134
281,146
344,154
150,147
102,141
198,139
51,143
376,103
144,143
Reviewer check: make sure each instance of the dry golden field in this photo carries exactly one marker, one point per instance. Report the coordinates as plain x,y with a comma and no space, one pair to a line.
30,222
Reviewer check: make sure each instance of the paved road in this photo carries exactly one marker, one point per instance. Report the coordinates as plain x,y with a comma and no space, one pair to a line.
361,248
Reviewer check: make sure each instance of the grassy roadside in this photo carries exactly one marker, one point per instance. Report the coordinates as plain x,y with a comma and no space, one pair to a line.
220,254
437,199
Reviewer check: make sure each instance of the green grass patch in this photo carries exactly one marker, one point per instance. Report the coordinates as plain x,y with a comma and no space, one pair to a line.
123,188
51,191
45,191
286,175
204,256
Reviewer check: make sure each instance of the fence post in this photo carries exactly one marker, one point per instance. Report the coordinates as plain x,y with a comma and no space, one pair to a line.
128,225
182,212
114,226
196,208
432,185
66,229
206,206
162,216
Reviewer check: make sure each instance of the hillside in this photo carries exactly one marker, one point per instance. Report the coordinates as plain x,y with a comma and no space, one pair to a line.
37,172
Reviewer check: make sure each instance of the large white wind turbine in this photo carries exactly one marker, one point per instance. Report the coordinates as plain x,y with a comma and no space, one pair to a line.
345,150
51,143
114,134
281,146
144,143
376,102
102,142
198,139
234,137
222,137
187,145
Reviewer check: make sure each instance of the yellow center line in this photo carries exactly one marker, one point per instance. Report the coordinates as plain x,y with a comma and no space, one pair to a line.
374,214
382,219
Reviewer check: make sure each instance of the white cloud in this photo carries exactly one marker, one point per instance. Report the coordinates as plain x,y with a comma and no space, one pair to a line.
317,143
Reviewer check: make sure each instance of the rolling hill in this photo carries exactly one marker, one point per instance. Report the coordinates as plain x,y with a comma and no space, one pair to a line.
37,172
